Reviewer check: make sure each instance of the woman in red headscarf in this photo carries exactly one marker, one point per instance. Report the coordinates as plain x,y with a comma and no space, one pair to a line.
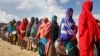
88,29
22,29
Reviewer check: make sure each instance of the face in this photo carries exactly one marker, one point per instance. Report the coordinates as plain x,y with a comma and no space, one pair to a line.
71,14
32,19
45,20
25,20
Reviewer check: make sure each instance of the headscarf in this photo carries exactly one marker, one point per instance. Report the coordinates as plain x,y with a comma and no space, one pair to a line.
68,13
40,22
23,24
13,21
92,25
10,27
55,28
54,18
36,20
17,25
32,20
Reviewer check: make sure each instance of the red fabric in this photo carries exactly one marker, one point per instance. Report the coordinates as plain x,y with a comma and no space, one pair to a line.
22,27
88,29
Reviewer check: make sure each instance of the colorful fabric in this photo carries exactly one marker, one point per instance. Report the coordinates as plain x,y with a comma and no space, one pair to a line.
67,27
34,28
55,28
48,35
41,49
42,30
29,26
22,28
42,45
43,40
10,27
17,26
45,30
71,47
88,29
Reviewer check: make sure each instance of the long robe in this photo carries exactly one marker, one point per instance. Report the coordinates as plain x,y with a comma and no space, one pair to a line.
55,28
68,33
88,29
22,27
45,30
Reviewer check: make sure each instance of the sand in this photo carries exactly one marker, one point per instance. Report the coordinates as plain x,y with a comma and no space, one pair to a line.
6,49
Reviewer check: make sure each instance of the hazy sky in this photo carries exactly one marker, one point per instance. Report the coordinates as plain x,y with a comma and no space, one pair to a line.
10,9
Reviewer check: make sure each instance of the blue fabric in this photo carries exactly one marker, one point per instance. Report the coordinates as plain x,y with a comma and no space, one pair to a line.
10,28
68,29
71,47
43,41
41,49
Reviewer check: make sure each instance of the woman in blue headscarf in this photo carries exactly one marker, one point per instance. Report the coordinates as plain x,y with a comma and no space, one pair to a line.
10,29
68,31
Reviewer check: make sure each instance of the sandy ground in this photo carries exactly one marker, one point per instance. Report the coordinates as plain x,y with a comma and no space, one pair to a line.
6,49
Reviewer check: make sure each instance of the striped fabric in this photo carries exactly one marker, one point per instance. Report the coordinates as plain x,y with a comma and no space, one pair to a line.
67,27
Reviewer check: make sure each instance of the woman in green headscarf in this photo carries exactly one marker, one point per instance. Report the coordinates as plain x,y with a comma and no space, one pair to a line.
55,28
33,32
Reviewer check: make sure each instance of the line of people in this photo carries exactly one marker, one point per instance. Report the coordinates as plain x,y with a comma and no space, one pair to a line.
51,39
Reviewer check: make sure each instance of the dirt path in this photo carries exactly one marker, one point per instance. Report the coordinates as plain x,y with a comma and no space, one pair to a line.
6,49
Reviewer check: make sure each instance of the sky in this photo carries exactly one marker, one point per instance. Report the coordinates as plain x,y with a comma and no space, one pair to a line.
17,9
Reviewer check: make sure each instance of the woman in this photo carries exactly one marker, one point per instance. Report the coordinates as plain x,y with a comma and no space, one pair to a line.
88,29
55,28
17,30
68,31
34,28
28,34
28,29
96,46
33,31
44,34
22,29
10,30
14,33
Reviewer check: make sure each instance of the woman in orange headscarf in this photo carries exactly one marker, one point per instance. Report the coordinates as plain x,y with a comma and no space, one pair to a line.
88,29
22,29
44,34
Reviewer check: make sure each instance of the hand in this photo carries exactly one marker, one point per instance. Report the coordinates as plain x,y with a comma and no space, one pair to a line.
22,31
61,43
